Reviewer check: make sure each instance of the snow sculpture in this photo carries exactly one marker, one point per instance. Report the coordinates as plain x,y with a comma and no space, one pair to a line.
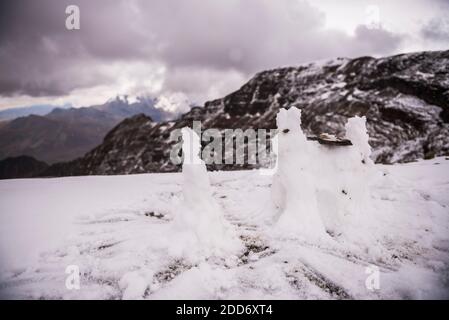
293,189
320,189
203,230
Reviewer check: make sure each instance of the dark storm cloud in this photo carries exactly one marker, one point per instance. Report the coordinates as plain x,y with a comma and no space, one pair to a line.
39,57
437,29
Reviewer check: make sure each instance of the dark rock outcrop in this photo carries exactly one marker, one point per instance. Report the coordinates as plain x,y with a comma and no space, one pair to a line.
20,167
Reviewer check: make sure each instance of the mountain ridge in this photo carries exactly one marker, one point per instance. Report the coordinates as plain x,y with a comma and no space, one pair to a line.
390,91
40,110
404,97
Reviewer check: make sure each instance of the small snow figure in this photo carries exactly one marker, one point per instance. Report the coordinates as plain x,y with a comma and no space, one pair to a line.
293,190
203,230
196,185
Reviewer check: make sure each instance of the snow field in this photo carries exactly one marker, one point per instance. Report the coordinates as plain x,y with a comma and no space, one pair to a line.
311,231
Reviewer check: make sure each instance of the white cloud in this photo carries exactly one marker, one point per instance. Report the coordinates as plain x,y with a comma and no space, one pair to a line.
175,103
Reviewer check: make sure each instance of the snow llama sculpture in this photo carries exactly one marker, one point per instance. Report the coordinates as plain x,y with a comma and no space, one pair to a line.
320,189
199,218
293,189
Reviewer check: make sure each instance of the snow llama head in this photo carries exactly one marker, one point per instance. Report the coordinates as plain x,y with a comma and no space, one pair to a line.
290,134
357,133
291,138
289,119
191,146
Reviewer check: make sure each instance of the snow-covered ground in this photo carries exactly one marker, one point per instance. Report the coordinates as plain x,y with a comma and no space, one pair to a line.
119,231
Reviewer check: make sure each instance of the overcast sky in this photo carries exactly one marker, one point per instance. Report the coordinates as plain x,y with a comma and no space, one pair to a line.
201,48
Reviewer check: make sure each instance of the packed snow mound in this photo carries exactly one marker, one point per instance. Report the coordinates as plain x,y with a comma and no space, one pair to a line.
198,222
135,283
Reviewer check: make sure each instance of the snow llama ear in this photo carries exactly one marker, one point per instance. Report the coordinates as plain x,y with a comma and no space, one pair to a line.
281,118
295,115
357,133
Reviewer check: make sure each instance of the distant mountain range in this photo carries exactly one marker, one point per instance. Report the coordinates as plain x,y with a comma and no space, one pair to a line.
39,110
65,134
404,97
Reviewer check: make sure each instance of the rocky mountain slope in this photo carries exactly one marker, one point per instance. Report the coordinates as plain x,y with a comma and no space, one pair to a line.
404,97
60,136
20,167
